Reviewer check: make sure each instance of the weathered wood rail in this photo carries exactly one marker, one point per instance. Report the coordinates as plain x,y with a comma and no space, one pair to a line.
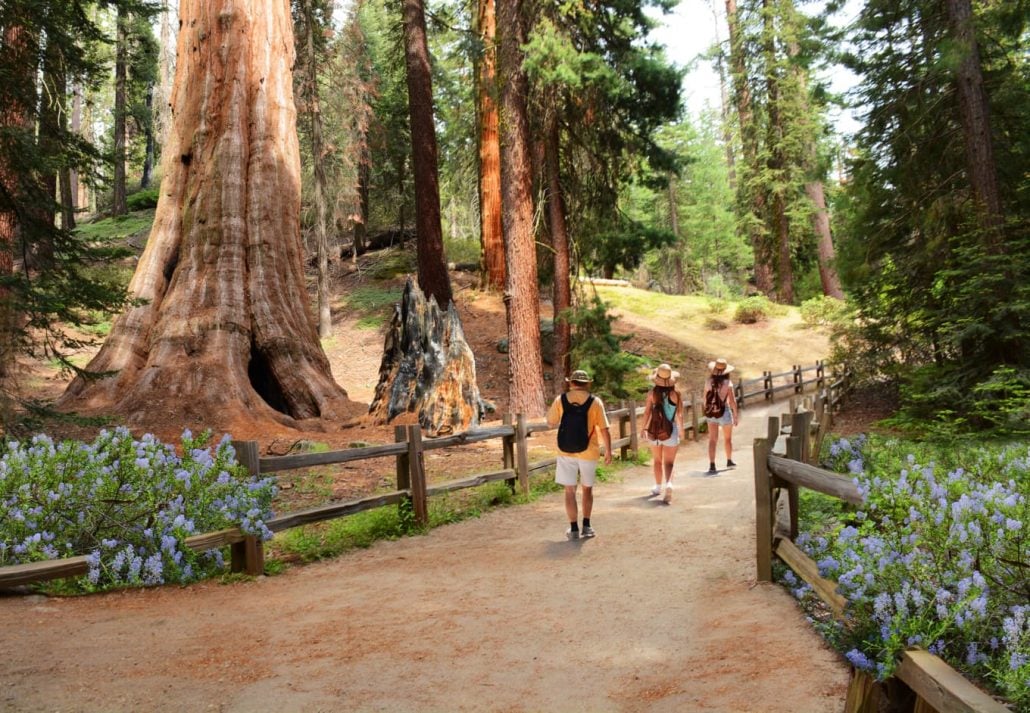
408,450
935,685
795,382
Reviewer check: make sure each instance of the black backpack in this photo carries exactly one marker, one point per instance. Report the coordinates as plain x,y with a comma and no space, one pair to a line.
715,407
573,432
659,427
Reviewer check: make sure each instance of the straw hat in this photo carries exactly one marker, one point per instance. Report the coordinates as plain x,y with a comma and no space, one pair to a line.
579,377
663,375
720,366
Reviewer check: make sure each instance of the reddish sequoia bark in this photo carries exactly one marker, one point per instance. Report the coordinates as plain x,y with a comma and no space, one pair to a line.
521,290
428,368
433,277
225,329
489,150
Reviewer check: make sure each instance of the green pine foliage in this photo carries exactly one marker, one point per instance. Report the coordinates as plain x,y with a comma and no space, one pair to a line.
944,304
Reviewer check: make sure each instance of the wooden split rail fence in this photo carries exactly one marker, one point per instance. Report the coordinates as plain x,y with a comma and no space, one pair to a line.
783,463
409,448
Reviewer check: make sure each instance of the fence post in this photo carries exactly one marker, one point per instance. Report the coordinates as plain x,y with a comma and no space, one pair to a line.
634,437
400,435
623,422
508,452
820,374
799,386
694,418
739,390
522,452
763,511
417,476
767,385
248,556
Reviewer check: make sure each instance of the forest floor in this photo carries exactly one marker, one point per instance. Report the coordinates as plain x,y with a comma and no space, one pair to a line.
659,612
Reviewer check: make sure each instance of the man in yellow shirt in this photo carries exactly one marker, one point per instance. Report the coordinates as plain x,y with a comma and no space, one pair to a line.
580,417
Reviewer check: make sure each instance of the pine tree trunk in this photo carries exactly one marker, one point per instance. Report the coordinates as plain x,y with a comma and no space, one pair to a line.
976,122
51,117
562,298
521,290
120,206
162,121
489,149
148,156
223,332
779,225
361,225
325,322
433,277
749,143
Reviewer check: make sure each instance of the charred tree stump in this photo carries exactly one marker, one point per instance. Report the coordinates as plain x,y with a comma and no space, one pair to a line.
428,368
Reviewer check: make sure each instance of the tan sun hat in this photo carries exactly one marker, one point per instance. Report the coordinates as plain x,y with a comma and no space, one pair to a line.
720,366
579,377
663,375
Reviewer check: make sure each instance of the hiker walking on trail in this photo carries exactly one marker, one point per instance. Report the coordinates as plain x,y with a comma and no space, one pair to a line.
580,417
663,426
720,409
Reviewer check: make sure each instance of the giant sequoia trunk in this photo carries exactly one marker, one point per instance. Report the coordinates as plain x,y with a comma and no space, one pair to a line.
223,329
489,149
521,290
428,368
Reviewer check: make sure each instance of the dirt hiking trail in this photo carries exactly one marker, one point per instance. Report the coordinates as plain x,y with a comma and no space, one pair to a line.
659,612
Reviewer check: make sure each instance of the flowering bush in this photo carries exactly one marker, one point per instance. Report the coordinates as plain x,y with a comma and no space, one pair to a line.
128,505
937,556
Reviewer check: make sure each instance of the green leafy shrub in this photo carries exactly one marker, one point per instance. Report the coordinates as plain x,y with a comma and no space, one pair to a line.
128,505
716,305
599,351
936,557
825,311
142,200
750,310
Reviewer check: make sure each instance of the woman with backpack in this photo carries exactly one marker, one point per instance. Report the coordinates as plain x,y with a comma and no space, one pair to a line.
663,424
720,409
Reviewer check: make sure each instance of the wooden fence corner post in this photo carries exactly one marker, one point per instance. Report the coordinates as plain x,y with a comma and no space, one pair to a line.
522,452
763,511
417,471
695,419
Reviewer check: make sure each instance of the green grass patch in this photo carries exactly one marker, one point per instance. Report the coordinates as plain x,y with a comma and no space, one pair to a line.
120,227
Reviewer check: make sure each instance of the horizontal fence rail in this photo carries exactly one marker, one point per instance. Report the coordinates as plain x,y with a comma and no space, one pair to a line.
246,551
937,686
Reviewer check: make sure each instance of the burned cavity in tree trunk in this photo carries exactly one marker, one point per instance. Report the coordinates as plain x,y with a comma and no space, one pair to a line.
428,368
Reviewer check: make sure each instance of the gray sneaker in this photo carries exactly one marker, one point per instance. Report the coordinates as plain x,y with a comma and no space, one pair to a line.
572,534
587,531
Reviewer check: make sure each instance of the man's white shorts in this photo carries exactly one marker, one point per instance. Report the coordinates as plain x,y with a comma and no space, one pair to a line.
568,468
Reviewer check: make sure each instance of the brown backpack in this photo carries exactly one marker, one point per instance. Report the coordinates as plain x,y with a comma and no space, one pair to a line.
659,427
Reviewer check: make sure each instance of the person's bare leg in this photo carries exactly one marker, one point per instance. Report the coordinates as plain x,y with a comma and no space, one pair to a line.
570,502
713,440
588,502
728,440
656,467
668,460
